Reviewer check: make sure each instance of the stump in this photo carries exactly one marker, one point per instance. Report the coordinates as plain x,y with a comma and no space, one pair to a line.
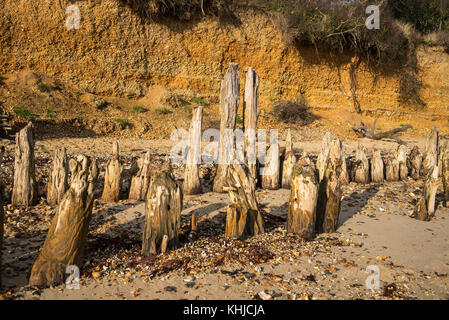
229,102
401,156
445,175
377,167
163,212
243,218
431,152
58,184
64,245
289,161
113,176
250,113
324,154
271,172
303,201
391,169
361,166
414,163
140,182
329,191
192,183
25,188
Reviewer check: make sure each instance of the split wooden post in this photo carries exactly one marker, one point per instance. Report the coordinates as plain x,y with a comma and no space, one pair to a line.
361,166
243,218
445,174
250,114
289,162
25,188
401,156
391,168
64,245
113,176
303,200
192,183
271,171
414,163
329,192
229,102
140,182
425,208
163,212
377,167
59,176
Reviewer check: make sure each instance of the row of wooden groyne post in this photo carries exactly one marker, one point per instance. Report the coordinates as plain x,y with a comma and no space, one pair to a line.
315,198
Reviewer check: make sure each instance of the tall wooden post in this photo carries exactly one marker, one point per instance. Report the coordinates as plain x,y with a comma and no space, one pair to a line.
250,114
303,201
289,161
415,163
243,218
59,176
141,181
192,183
361,166
25,189
229,102
163,212
113,176
329,192
377,167
64,245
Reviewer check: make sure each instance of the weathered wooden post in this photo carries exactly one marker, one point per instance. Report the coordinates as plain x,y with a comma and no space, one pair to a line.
289,161
329,192
324,154
192,183
25,189
64,245
303,200
58,184
361,166
414,163
163,212
377,167
401,156
250,114
445,174
113,176
425,208
391,168
243,218
344,178
2,220
271,171
229,102
141,181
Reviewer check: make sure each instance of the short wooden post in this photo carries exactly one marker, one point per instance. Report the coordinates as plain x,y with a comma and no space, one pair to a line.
58,184
141,181
289,161
271,172
192,183
361,166
401,156
414,163
391,168
113,176
324,154
377,167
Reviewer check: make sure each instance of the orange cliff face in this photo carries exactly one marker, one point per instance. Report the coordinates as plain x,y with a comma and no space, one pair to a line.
115,53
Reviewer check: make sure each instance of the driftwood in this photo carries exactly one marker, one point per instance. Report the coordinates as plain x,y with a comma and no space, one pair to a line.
391,168
250,113
64,245
414,163
58,184
425,208
243,217
25,188
363,132
192,183
329,192
113,176
401,156
271,172
141,181
229,102
288,162
163,212
303,200
445,174
361,166
377,167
